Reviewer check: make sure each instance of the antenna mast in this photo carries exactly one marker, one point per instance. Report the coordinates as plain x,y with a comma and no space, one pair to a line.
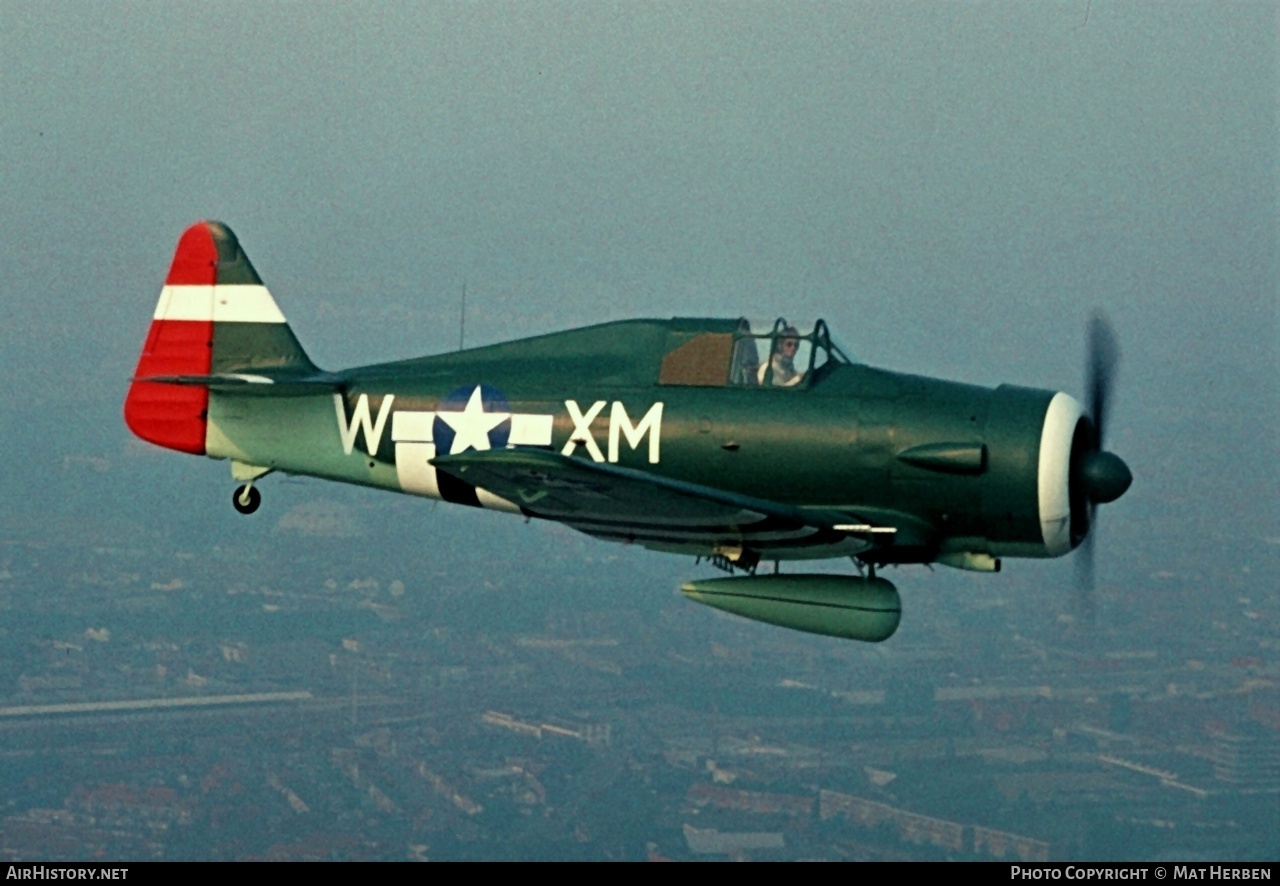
462,316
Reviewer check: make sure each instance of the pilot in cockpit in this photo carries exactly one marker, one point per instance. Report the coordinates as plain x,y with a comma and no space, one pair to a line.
780,370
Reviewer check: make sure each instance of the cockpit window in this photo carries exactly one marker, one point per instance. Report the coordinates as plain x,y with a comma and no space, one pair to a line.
771,353
840,352
781,354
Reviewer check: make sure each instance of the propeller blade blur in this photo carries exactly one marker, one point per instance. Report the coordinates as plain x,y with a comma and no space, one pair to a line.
1104,358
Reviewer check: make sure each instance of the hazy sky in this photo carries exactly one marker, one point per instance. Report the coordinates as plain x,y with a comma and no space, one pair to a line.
952,185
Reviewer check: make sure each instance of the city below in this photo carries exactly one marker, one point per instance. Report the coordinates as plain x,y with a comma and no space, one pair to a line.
306,696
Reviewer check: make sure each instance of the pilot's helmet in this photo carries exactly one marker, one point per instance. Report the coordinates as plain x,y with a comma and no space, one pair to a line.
786,341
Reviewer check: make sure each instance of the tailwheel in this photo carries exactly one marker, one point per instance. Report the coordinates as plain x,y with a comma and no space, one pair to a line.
246,499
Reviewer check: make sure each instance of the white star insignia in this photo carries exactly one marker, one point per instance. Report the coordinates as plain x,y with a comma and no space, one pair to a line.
472,425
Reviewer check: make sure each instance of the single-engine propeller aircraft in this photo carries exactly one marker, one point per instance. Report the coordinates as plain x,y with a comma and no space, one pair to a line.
731,439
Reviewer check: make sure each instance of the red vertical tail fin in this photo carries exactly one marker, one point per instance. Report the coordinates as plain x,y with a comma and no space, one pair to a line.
214,316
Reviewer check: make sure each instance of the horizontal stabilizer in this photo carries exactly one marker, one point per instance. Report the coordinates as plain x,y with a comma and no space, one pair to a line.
254,385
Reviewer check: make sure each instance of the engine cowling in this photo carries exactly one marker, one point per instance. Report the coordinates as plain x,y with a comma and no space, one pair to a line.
1075,475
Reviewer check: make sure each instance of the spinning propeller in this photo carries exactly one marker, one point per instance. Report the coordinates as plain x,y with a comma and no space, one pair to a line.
1097,476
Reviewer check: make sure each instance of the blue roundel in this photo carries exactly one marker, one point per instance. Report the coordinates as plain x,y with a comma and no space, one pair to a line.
460,401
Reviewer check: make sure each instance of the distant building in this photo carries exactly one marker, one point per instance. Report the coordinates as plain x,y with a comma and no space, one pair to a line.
912,827
1248,758
760,802
709,841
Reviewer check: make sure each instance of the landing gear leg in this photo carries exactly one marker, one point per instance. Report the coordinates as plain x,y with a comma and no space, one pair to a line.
246,498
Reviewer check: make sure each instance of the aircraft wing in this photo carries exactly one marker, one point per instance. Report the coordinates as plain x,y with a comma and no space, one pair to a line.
623,504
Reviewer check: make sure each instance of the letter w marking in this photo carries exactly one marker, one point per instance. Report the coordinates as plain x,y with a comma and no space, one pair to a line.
360,419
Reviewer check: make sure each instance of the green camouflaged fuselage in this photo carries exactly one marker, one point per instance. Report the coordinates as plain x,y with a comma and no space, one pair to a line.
833,444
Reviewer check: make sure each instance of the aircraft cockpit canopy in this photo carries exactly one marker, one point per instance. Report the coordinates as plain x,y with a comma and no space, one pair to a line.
782,354
757,353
